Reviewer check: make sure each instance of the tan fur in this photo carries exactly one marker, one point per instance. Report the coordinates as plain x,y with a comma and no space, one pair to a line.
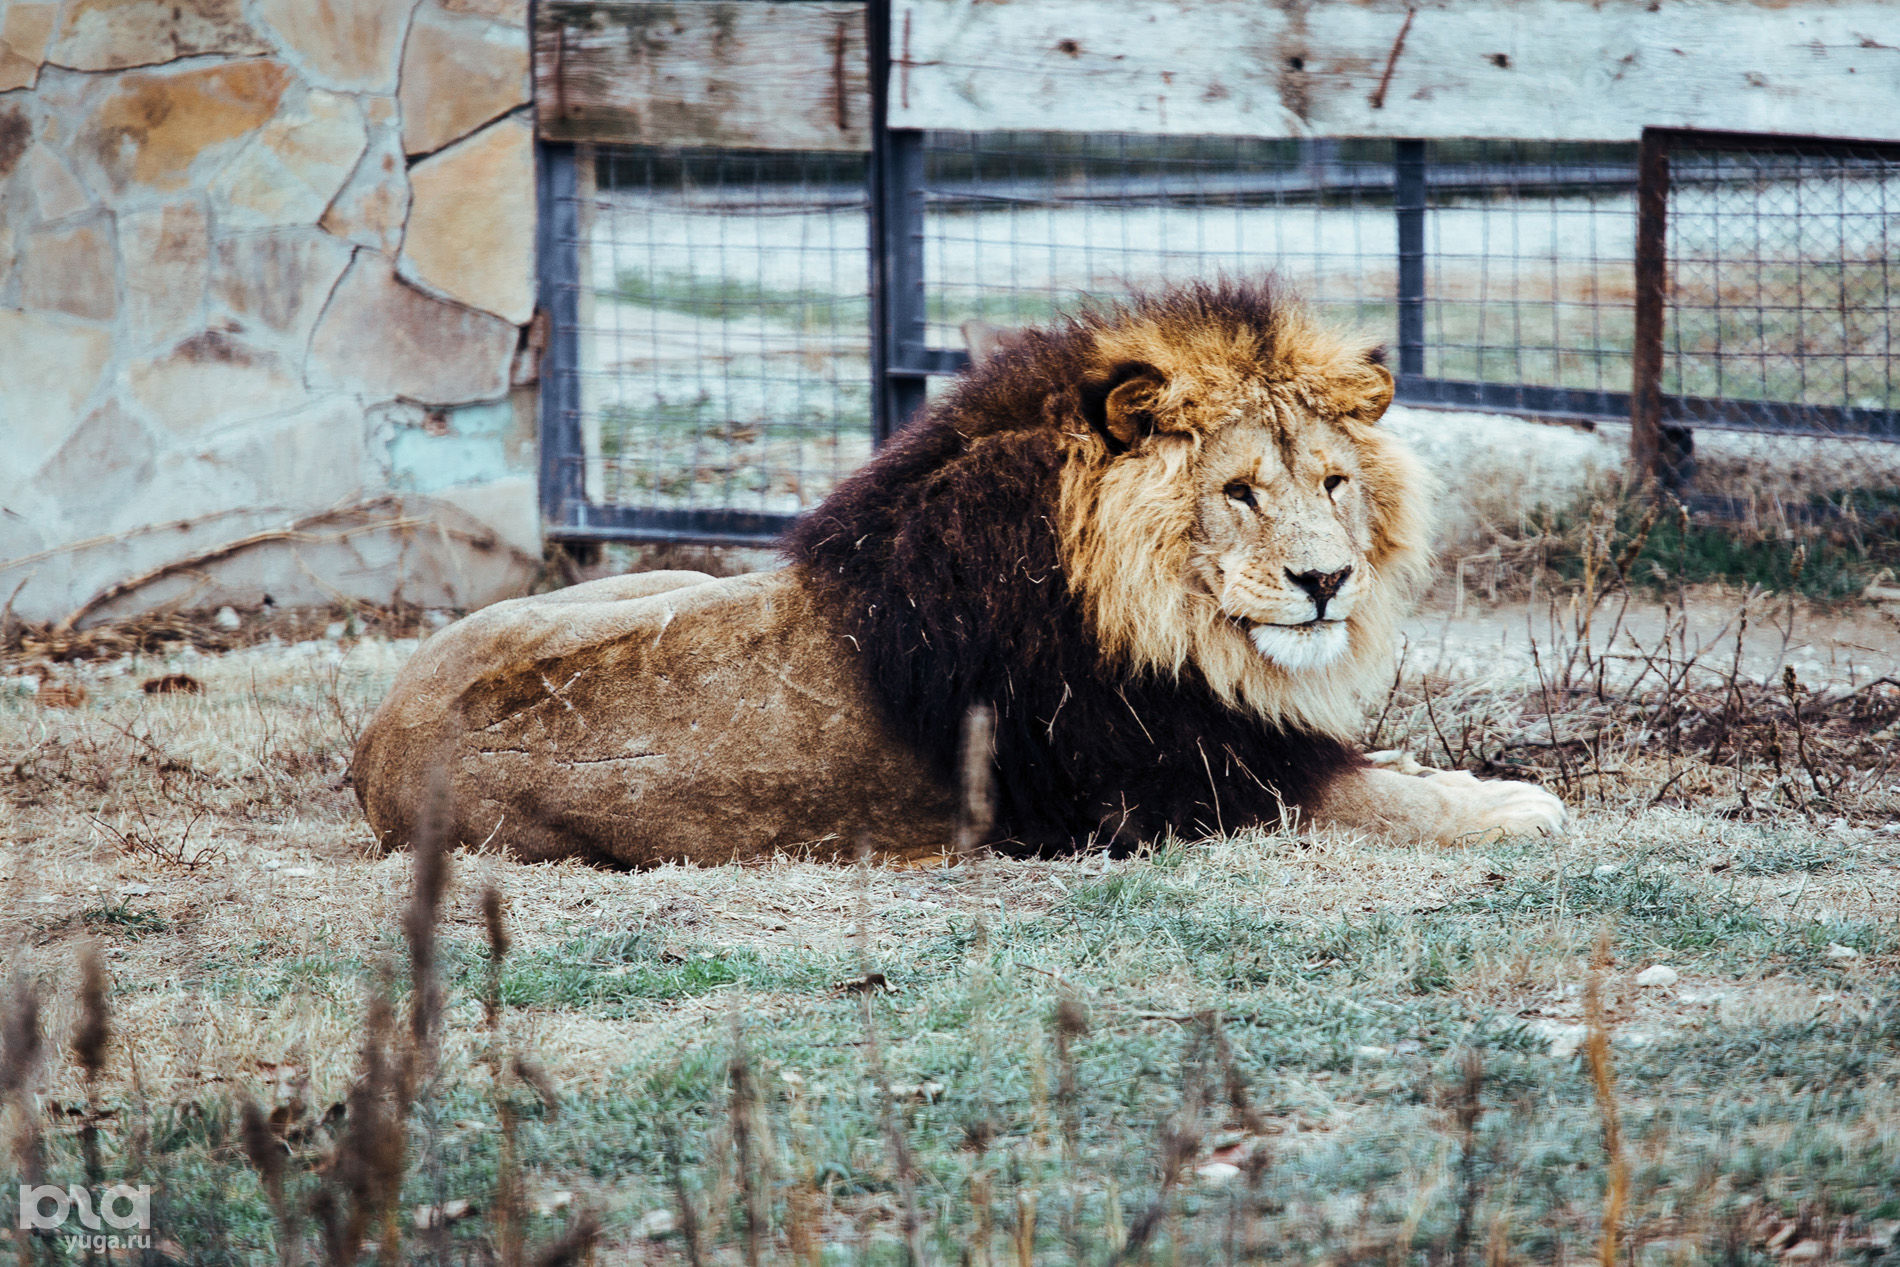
1127,521
675,717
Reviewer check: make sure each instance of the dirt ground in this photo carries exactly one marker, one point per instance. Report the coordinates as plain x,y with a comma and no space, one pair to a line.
1476,638
206,841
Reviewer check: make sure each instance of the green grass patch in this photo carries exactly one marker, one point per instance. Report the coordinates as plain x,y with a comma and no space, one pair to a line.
120,919
729,298
620,974
1837,545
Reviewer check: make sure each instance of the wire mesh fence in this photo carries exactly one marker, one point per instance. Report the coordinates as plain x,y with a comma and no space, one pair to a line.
1526,248
1773,364
723,332
1782,282
725,320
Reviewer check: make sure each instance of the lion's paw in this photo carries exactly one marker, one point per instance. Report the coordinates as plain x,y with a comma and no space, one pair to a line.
1492,808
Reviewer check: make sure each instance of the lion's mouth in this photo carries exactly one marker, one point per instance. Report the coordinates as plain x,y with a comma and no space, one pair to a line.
1309,645
1248,627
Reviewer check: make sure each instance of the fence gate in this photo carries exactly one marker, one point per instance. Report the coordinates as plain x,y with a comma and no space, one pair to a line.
767,229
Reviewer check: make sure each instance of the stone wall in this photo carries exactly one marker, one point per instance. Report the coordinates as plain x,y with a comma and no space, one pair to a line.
266,277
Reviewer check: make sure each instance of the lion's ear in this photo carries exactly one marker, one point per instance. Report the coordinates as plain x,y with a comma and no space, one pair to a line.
1376,388
1122,406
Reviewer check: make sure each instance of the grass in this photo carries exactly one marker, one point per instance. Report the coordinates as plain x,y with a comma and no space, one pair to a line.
1796,332
728,298
1258,1048
1826,548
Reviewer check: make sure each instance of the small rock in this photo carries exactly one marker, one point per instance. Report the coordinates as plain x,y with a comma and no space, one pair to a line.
554,1202
301,872
1368,1052
427,1216
172,684
436,618
1657,974
1566,1039
1837,951
227,618
62,694
335,630
1607,870
1802,1252
656,1223
135,890
1218,1172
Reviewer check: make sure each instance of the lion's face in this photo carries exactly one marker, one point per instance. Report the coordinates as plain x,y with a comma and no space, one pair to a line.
1235,507
1280,537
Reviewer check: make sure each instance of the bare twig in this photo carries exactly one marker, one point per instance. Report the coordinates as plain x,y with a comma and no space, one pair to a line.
1603,1080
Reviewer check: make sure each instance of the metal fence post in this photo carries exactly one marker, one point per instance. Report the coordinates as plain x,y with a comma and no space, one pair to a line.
1408,200
897,245
562,476
1657,452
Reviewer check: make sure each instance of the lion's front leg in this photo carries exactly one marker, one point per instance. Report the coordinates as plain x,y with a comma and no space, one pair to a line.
1447,807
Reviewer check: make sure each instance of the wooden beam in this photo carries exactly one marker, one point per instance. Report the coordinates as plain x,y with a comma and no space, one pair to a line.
1543,69
735,75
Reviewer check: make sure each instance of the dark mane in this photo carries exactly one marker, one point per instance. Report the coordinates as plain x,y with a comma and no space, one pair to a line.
940,559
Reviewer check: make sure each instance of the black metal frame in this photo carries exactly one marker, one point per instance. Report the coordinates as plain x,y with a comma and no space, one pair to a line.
1662,448
566,513
902,362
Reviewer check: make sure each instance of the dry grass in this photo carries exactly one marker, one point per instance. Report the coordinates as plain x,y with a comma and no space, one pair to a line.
1267,1046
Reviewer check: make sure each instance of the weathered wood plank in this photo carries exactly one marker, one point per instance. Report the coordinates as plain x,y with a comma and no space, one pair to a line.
1547,69
764,76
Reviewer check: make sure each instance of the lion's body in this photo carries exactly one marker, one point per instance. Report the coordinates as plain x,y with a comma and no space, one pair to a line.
705,721
1165,544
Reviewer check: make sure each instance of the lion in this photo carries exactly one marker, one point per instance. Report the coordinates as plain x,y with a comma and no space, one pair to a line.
1164,543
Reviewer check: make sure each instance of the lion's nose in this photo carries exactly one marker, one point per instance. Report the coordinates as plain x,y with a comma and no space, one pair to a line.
1322,586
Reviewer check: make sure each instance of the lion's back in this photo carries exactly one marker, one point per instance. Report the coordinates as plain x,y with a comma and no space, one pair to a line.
630,729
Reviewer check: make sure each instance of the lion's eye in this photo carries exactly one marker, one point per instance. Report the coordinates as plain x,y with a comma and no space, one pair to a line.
1334,481
1240,491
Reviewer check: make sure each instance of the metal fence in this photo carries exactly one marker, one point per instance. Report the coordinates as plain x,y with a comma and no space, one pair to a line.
725,347
1765,295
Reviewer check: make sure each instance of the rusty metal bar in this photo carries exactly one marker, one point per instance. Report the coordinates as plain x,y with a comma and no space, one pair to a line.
1408,199
1658,454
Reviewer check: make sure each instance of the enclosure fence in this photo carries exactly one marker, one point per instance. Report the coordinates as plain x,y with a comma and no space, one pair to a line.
734,330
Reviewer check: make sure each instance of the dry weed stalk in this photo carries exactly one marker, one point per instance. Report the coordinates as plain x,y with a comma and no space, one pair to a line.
359,1195
902,1163
1179,1137
1071,1022
575,1246
265,1152
92,1033
1638,720
1469,1108
509,1243
976,814
690,1239
1025,1237
1603,1080
742,1110
977,810
20,1043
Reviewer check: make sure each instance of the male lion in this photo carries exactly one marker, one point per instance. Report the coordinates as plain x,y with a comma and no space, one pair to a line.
1165,542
